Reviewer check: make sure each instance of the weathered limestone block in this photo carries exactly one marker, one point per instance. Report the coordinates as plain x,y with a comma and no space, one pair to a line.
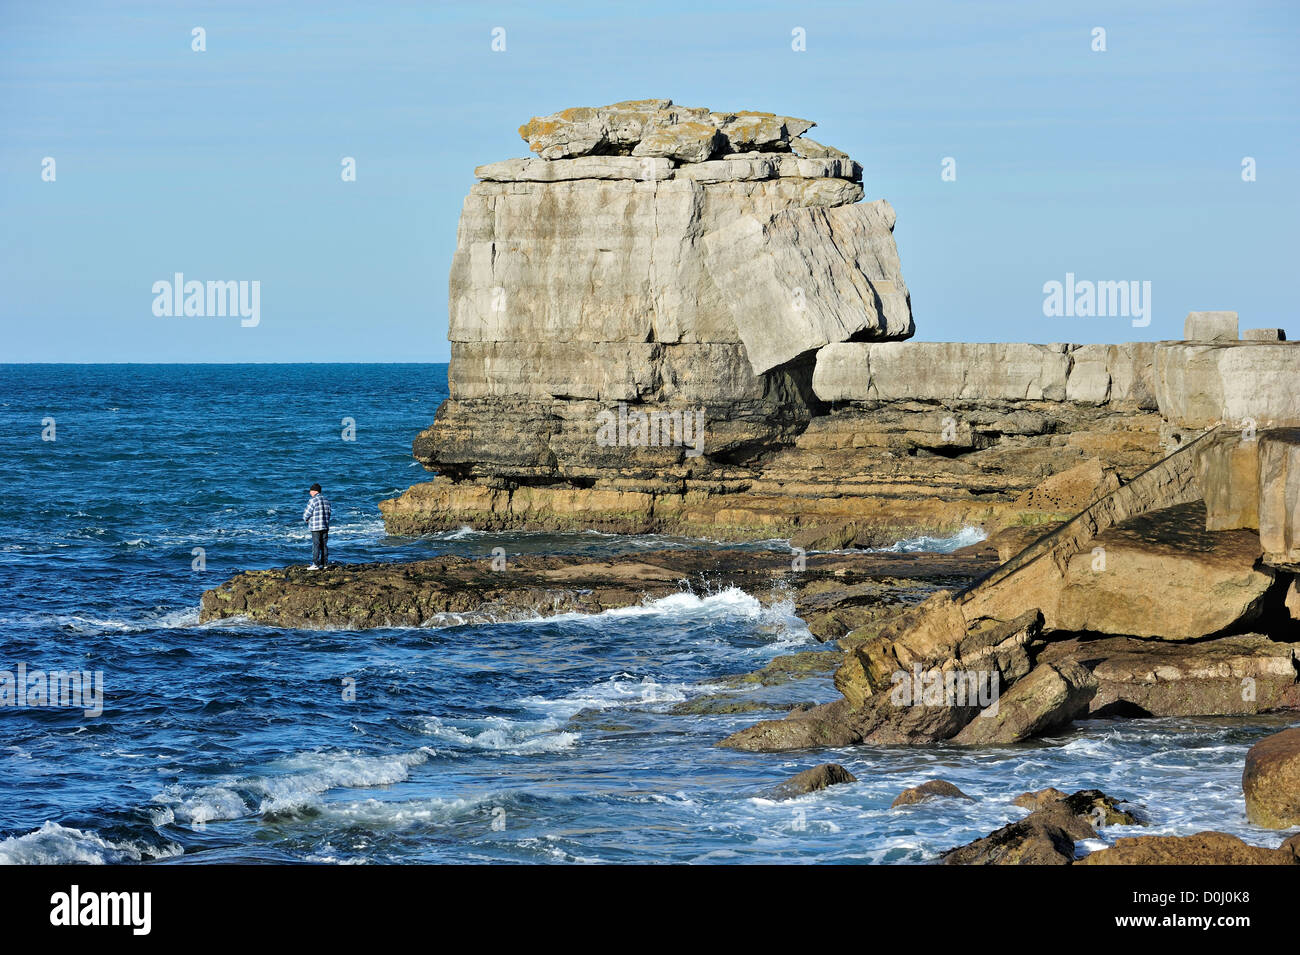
1202,384
1101,374
940,371
1228,463
806,277
1264,335
1279,495
1210,327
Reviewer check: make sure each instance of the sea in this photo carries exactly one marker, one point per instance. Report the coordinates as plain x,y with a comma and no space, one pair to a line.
128,490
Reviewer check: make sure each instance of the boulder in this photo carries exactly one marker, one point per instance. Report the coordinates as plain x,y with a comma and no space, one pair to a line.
931,789
812,780
1044,837
1271,781
1210,327
1050,697
1204,848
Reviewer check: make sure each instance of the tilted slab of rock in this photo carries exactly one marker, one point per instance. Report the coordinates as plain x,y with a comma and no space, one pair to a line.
986,371
806,277
1235,383
1163,575
1048,698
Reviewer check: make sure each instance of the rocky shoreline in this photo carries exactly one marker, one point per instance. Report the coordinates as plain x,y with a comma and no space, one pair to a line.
683,321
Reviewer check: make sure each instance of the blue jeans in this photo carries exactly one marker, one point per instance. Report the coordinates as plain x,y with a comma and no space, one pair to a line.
320,554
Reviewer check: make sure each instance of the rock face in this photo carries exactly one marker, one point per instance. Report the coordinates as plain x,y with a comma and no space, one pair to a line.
1271,781
1279,496
700,266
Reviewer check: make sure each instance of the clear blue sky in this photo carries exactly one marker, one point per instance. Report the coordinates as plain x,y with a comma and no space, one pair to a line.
1122,165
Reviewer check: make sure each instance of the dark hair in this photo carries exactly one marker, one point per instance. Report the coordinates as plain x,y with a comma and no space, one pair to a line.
314,487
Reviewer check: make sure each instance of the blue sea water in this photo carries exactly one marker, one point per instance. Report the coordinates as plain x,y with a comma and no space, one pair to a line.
542,741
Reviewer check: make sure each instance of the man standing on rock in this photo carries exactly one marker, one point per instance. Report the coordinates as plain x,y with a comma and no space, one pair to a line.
317,517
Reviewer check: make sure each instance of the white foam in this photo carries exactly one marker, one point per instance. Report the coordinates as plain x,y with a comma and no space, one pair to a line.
936,545
309,775
623,689
53,844
498,734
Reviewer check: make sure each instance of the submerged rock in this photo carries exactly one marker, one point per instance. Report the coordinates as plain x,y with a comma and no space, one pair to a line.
931,789
812,780
1046,836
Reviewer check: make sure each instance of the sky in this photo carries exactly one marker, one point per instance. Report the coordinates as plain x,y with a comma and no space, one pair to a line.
1122,164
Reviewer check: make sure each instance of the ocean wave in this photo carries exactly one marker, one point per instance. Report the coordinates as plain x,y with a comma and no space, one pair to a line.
182,619
53,844
622,689
307,776
936,545
498,734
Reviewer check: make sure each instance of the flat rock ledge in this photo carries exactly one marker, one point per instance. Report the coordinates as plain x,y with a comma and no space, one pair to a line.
450,591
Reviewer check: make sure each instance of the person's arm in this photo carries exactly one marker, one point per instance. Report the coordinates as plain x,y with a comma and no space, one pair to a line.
306,515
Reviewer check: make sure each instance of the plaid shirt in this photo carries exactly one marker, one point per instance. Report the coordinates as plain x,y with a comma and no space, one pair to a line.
317,514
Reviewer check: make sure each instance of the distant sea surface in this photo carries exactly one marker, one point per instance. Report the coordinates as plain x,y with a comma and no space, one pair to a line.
544,741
